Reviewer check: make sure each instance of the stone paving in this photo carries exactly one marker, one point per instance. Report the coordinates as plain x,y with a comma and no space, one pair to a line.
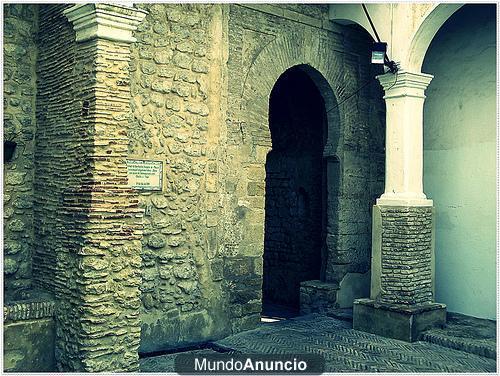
344,349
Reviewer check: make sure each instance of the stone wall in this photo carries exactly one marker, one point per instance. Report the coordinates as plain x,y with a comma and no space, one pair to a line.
201,79
20,26
176,89
196,96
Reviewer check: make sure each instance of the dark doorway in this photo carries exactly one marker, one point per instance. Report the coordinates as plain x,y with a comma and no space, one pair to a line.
295,191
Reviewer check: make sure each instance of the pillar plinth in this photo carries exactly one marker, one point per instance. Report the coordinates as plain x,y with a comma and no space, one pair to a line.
401,303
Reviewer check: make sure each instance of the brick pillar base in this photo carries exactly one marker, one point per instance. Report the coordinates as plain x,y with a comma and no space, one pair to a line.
402,286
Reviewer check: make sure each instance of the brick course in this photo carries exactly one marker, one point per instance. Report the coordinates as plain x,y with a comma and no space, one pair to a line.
406,274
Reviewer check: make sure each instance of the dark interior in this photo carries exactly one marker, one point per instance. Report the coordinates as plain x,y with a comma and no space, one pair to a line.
295,189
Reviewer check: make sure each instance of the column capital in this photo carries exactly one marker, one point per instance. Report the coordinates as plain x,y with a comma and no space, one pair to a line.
404,84
104,21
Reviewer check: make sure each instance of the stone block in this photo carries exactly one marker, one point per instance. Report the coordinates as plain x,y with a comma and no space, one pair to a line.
235,268
246,323
352,287
157,241
10,266
217,268
317,296
405,323
249,291
255,188
162,330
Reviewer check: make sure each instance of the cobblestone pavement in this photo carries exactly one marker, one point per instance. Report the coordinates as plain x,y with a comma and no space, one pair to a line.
344,349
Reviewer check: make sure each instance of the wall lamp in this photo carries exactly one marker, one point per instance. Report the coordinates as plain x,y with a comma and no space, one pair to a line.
379,49
378,52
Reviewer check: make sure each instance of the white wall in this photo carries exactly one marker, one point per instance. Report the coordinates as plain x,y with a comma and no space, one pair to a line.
459,159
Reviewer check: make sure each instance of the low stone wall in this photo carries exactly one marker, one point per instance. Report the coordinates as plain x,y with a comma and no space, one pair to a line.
29,334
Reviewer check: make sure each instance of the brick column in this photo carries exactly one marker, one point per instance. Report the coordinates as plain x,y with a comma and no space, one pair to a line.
401,303
98,322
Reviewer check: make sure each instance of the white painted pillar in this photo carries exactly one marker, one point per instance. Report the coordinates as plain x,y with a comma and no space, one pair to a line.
402,267
404,98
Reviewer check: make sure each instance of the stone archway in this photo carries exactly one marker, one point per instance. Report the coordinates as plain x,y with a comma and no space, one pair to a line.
295,191
326,71
351,152
330,75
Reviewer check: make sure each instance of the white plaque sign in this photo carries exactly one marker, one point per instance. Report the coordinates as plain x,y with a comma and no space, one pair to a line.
145,174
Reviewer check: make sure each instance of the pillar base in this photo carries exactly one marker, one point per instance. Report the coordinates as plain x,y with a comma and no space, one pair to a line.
405,323
401,200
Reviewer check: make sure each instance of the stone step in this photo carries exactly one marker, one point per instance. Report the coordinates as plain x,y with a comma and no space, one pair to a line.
465,333
344,314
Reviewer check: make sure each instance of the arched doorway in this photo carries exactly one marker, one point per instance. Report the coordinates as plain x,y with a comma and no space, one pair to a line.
459,158
296,194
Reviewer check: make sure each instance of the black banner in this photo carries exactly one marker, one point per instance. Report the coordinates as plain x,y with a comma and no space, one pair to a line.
265,364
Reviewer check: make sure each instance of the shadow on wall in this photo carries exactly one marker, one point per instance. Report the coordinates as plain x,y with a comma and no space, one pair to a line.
459,158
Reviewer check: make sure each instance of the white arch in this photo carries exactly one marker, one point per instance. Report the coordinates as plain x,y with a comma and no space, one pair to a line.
407,28
346,14
423,36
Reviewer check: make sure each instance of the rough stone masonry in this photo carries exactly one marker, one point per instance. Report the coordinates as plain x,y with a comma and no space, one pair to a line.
19,85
